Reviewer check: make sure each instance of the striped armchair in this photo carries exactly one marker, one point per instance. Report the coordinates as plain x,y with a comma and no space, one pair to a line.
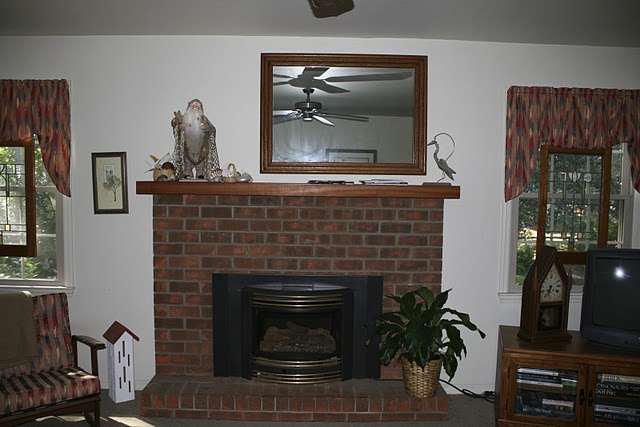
51,383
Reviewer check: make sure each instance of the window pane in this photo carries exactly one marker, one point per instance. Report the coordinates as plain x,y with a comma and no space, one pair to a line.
46,212
45,265
573,200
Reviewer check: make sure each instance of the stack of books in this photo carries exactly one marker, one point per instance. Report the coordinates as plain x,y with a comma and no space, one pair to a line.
615,403
532,398
547,377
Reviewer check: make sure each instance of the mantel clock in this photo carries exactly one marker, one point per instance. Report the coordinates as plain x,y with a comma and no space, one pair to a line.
545,299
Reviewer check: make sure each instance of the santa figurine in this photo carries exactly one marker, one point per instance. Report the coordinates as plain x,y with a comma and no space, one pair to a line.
195,154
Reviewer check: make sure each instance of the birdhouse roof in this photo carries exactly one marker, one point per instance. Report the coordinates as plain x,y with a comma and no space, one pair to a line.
115,331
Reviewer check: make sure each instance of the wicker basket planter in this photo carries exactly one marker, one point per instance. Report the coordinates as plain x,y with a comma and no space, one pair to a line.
424,330
421,382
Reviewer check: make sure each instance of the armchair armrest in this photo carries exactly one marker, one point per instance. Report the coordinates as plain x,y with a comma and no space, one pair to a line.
93,344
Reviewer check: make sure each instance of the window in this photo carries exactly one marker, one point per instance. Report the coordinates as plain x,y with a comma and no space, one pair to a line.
47,268
572,211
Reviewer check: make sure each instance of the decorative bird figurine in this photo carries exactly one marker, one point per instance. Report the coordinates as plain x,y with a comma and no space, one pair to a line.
442,163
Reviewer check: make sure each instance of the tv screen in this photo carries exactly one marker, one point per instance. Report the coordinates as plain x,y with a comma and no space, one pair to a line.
611,298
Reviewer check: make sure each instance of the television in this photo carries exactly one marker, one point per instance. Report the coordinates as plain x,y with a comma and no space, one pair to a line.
611,298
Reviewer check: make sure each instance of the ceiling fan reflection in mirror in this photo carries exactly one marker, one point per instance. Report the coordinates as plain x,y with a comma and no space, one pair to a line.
310,78
311,110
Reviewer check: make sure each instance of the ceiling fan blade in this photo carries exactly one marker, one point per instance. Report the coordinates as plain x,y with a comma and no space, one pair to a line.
282,76
313,72
323,120
370,77
283,118
326,87
284,112
346,117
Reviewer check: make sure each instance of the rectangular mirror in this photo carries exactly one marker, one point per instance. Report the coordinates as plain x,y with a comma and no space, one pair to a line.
343,114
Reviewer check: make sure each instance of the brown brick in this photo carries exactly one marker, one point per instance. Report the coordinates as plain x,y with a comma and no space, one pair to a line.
249,263
282,264
348,404
363,252
395,227
380,215
228,403
168,224
248,238
182,211
297,226
260,416
168,249
282,213
347,265
226,415
363,227
297,251
398,416
170,347
330,418
282,403
233,225
360,417
332,227
295,416
315,264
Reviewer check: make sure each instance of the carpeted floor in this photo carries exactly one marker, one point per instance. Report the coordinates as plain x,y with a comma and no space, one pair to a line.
464,411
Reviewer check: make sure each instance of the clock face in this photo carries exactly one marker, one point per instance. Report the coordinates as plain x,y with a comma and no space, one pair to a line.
551,287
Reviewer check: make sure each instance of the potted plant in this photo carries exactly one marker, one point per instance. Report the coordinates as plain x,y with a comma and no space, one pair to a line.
426,336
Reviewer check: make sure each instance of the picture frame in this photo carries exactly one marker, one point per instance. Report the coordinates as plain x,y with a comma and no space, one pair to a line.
338,155
110,183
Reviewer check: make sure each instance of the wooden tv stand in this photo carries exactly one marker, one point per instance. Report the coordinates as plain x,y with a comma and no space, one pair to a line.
573,383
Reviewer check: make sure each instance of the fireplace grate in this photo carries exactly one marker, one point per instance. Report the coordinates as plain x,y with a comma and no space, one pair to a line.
309,378
297,301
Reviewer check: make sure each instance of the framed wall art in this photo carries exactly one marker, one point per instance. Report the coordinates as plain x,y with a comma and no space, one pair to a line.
337,155
110,183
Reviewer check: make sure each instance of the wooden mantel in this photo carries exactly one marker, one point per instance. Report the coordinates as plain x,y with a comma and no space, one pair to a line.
428,191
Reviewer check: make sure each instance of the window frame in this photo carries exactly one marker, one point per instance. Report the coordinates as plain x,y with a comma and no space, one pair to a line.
64,253
508,291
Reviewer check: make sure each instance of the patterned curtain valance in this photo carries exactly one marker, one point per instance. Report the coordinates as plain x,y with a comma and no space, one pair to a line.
567,118
40,107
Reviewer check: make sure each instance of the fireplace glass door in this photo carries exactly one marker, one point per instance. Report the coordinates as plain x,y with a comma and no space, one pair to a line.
297,333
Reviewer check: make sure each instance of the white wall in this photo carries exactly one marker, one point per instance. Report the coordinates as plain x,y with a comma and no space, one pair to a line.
123,94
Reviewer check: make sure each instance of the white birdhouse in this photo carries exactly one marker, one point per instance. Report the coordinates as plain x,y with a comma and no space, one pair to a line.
120,358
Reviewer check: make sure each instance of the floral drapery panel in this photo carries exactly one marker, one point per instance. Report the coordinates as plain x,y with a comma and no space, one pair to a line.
40,107
567,118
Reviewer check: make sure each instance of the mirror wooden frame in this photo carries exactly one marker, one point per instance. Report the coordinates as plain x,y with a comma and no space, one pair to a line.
418,64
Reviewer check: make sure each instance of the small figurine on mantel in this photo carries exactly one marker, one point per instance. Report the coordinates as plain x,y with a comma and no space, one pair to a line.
195,153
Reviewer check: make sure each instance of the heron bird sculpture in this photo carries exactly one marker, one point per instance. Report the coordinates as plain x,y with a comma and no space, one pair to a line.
442,163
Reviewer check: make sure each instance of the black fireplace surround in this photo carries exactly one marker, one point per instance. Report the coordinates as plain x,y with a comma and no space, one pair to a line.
295,329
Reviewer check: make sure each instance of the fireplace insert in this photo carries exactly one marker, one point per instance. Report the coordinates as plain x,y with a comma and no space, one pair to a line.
295,329
297,333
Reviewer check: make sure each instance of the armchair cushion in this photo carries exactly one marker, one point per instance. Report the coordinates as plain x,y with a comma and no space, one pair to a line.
44,388
53,335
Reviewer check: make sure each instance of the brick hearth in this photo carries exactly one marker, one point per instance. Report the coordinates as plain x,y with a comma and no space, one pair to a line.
196,235
243,400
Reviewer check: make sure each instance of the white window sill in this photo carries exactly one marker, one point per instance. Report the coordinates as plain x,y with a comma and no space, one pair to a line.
37,289
516,297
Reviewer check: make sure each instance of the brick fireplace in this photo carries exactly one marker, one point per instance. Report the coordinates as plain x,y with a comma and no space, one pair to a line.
201,229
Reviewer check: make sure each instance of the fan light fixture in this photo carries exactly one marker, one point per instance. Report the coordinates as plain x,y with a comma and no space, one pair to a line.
328,8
